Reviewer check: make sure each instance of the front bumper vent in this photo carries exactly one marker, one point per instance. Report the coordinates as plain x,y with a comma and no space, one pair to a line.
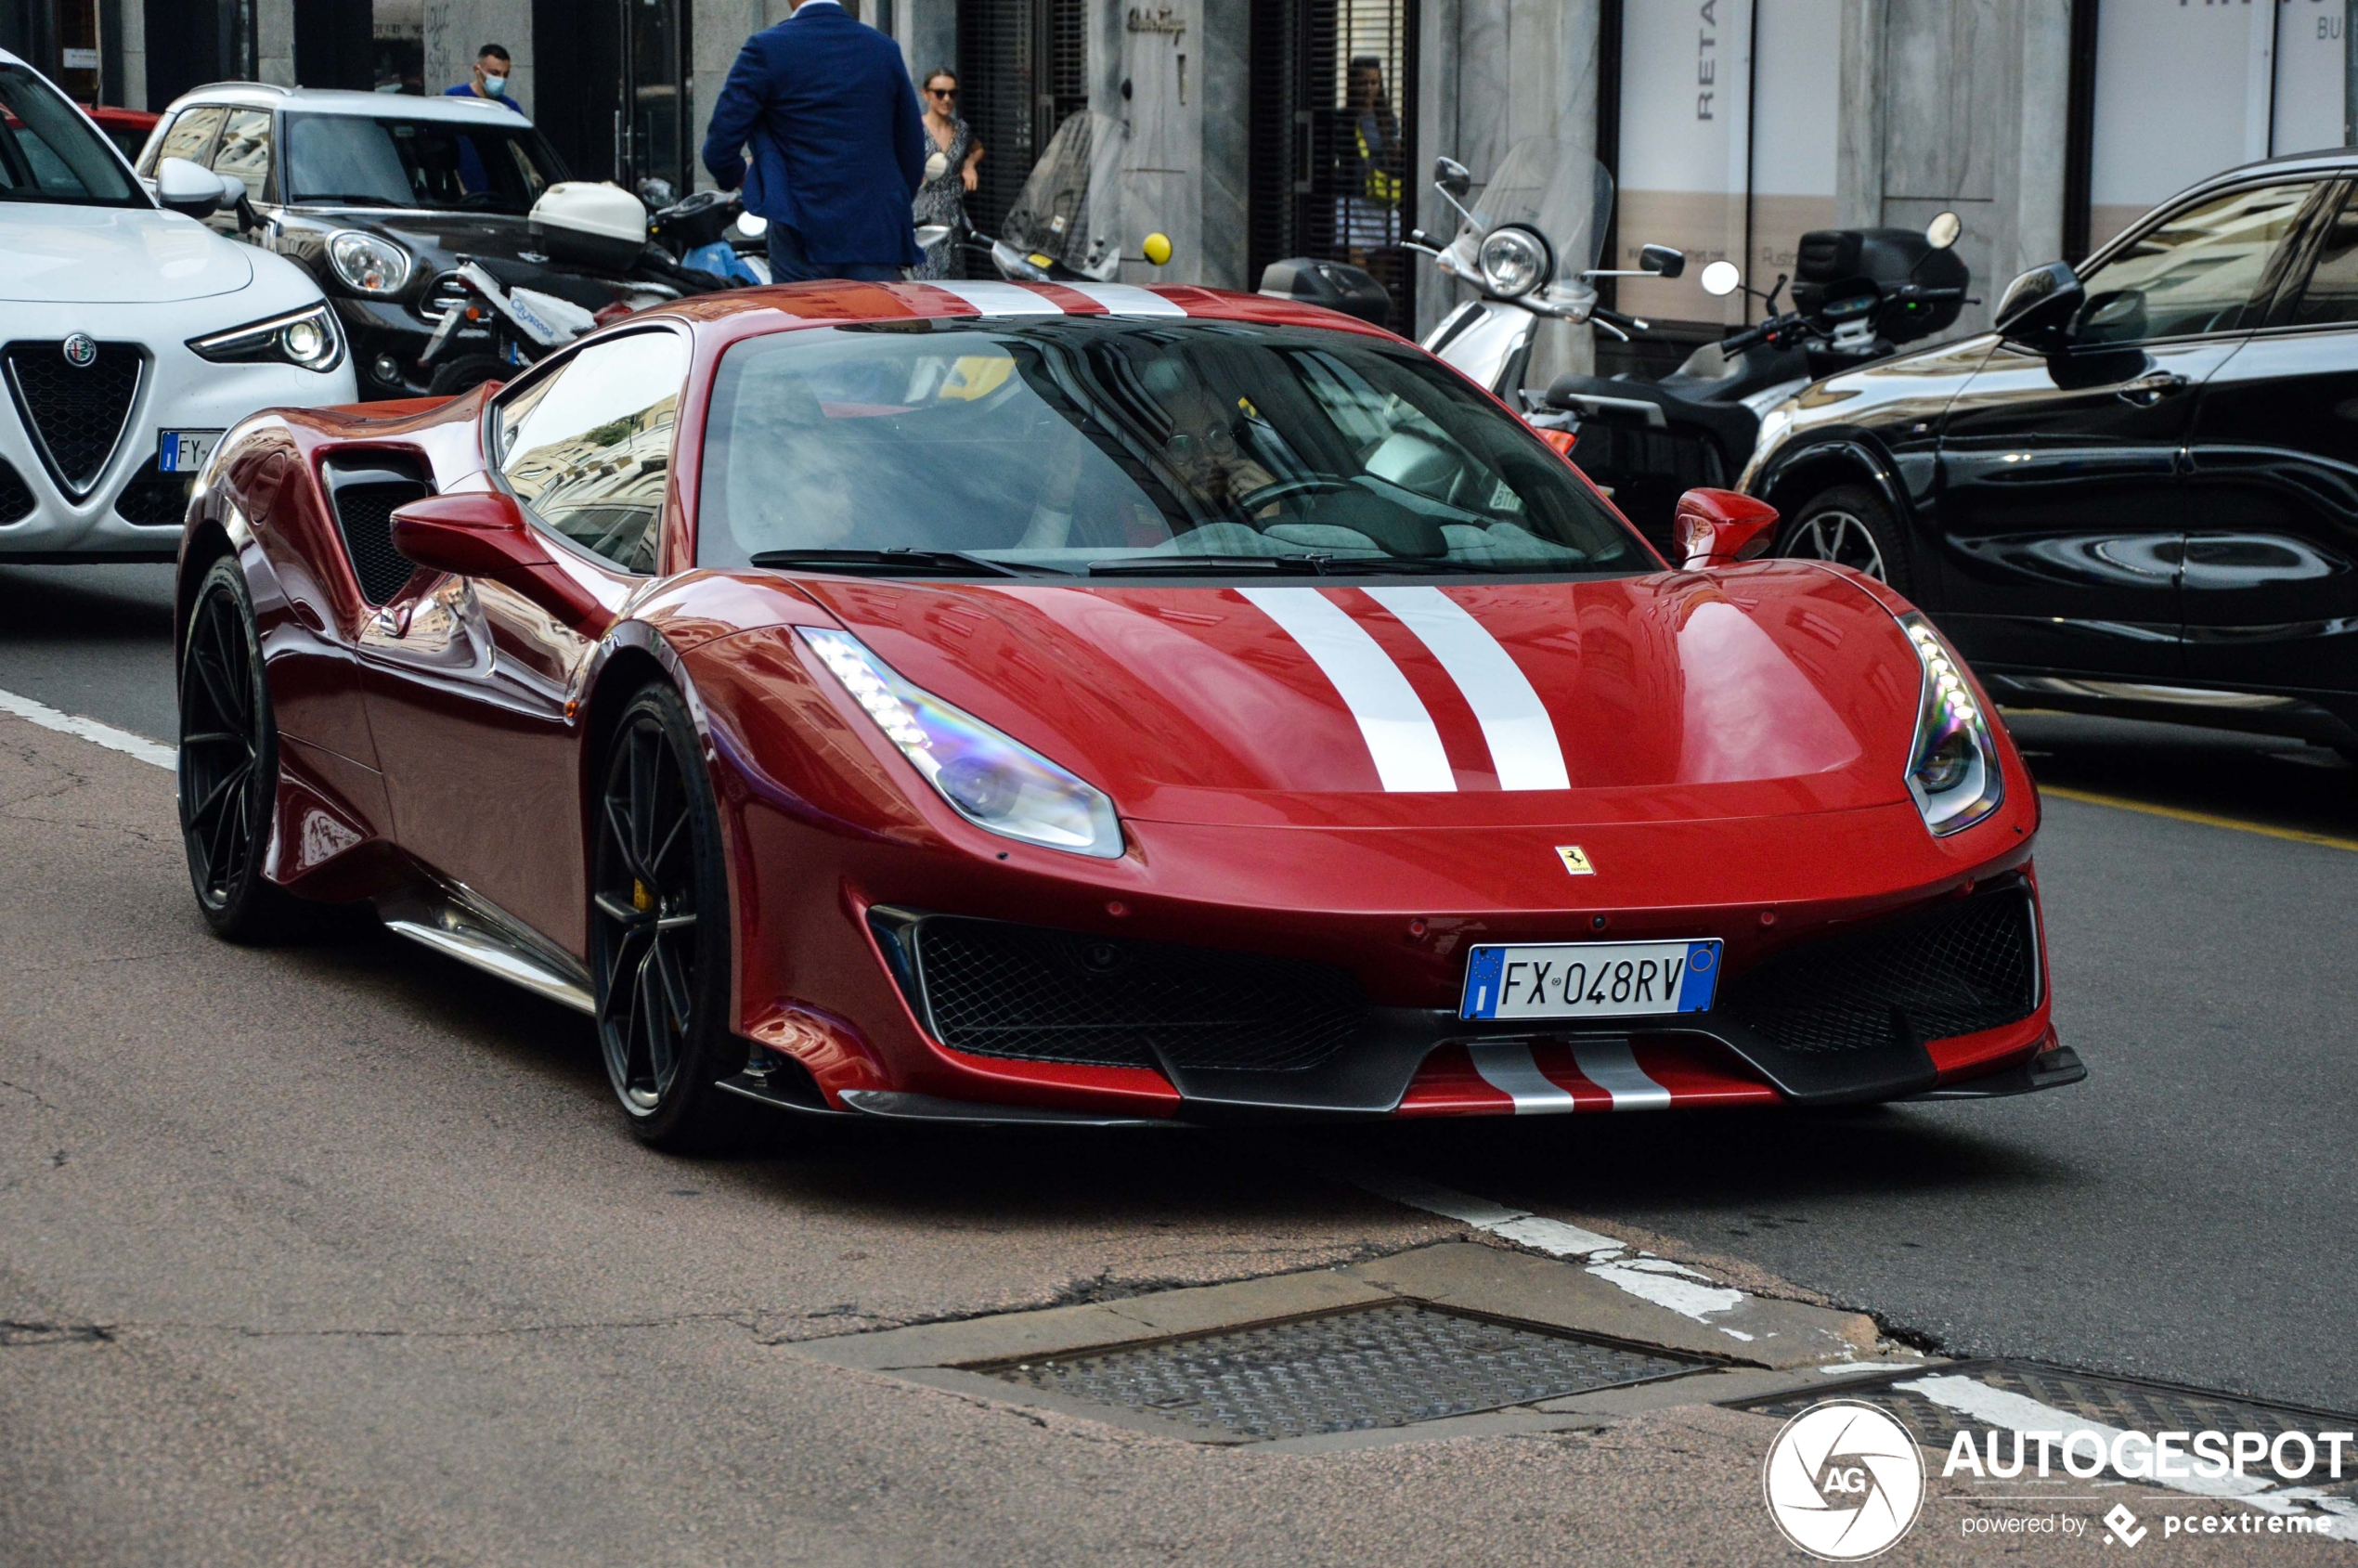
75,415
16,496
996,989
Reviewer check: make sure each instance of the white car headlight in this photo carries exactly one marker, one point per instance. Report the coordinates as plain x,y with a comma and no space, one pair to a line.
367,263
994,782
1514,262
1953,769
307,339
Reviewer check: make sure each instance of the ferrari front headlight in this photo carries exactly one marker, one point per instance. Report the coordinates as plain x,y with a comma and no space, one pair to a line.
1953,769
993,781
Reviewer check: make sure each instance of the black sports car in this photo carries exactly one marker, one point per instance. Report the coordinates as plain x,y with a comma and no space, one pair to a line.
2141,494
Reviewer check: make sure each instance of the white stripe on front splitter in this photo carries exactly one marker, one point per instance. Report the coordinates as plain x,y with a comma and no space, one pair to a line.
90,729
1000,299
1522,738
1612,1066
1399,733
1126,299
1507,1066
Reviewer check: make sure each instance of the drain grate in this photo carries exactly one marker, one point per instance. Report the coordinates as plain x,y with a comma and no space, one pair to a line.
2126,1404
1388,1366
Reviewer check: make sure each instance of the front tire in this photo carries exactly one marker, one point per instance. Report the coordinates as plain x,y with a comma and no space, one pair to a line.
659,918
1851,525
228,766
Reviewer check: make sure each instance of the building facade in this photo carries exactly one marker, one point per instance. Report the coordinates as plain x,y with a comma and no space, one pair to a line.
1262,128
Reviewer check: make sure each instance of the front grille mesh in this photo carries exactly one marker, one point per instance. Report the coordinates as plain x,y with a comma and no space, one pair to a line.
1000,989
365,513
16,496
78,414
154,498
1955,969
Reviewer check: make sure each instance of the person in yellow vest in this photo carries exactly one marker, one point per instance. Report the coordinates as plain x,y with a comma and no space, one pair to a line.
1371,204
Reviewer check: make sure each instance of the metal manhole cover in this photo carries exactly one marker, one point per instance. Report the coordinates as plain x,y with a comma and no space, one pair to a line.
2087,1398
1388,1366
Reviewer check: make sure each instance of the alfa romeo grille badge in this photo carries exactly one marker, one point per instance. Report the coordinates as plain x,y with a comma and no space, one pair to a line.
81,351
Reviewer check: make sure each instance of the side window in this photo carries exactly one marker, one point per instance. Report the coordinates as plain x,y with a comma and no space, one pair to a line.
2195,271
590,450
190,137
245,149
2331,295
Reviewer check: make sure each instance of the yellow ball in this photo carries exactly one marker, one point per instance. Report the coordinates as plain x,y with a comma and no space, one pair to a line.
1156,248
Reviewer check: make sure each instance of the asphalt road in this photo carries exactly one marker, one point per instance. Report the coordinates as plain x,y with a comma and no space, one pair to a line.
335,1252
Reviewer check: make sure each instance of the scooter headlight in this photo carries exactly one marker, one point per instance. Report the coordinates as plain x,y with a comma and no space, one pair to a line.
1514,262
1953,769
990,779
368,263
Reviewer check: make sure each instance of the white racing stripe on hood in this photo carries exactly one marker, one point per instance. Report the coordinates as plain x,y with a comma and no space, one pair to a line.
1126,299
1522,738
1507,1067
1399,733
1613,1068
1000,299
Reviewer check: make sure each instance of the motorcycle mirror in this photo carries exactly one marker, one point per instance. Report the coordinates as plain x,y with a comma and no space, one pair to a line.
937,166
1721,277
753,226
1943,231
1453,178
931,234
1663,261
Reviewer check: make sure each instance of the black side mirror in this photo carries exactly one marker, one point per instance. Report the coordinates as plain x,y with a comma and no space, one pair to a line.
2037,307
1663,261
1453,178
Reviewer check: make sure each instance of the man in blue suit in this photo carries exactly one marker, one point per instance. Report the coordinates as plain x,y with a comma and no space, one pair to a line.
838,145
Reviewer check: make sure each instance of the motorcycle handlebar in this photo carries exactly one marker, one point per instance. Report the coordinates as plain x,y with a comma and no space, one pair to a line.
1614,318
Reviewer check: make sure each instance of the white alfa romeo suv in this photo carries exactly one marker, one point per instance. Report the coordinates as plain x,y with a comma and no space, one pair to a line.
130,335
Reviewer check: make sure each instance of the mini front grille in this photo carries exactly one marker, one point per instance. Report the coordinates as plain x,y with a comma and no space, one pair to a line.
440,295
154,498
76,414
364,506
1957,969
16,496
1000,989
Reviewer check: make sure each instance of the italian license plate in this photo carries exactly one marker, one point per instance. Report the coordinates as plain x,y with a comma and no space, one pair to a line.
1589,980
186,451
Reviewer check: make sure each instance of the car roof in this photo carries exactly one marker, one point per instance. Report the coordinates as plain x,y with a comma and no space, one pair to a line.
338,100
750,311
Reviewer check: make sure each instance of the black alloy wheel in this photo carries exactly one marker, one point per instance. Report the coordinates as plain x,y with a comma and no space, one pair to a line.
659,929
1852,525
228,768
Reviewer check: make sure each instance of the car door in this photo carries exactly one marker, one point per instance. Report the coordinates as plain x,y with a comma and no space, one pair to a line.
2270,584
2062,510
472,686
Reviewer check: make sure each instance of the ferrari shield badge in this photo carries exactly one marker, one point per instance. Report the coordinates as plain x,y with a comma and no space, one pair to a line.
1575,860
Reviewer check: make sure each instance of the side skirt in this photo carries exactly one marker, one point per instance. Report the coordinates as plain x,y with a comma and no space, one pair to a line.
455,922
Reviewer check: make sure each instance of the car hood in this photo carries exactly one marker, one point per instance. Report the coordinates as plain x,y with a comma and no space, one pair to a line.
56,254
1776,688
438,238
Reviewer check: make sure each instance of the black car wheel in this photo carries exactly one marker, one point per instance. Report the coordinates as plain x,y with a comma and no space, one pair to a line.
228,770
659,918
1851,525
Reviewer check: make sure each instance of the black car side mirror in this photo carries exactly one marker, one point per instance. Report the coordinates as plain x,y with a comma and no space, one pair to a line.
2037,307
1661,260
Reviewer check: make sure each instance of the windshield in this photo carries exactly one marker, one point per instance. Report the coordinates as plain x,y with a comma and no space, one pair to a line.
1547,186
387,161
1053,217
49,151
1091,448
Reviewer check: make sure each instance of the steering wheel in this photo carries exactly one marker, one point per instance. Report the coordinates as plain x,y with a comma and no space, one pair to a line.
1285,490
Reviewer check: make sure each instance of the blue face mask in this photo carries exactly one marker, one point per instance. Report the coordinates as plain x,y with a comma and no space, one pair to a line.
495,86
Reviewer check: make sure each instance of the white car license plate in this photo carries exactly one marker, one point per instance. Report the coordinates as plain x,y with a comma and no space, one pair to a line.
1589,980
184,451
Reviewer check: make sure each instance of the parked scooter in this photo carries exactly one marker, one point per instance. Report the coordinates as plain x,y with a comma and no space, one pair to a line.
1063,227
1858,293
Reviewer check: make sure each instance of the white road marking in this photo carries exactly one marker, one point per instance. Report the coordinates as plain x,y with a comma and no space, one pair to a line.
1000,299
1399,733
91,730
2014,1412
1522,739
1126,299
1612,1066
1518,1225
1689,1297
1508,1066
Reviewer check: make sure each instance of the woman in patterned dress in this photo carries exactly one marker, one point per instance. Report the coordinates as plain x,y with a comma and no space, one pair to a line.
954,154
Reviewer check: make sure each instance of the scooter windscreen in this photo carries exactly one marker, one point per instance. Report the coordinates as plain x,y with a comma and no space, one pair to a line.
1547,189
1055,214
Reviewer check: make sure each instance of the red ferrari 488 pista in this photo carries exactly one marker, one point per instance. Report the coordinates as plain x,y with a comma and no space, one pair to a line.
1095,704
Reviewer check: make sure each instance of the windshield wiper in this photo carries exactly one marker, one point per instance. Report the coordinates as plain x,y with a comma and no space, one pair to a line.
343,199
1155,565
887,562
